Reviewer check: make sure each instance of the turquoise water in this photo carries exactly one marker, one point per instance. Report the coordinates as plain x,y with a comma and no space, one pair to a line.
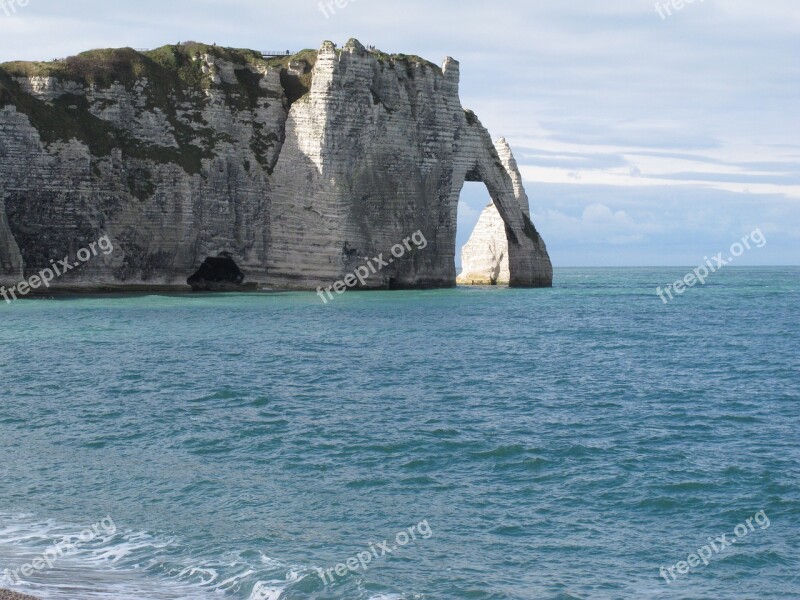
562,443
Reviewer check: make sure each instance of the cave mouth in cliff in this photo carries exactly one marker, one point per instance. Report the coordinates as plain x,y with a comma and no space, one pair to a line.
217,273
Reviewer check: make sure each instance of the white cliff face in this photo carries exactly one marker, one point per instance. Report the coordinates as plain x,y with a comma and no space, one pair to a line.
173,174
374,152
298,174
510,165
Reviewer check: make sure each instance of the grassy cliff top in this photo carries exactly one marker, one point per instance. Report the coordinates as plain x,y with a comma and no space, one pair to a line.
405,59
125,65
175,75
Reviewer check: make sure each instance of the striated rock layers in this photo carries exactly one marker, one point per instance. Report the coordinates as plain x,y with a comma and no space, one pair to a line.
200,162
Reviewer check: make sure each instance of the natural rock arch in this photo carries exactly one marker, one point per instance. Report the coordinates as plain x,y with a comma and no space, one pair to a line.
373,163
504,247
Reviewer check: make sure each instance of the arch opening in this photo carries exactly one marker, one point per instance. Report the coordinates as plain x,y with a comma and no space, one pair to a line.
481,238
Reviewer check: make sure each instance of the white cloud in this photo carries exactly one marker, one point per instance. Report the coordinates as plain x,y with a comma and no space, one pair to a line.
600,213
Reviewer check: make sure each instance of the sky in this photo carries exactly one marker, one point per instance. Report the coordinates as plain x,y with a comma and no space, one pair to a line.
645,136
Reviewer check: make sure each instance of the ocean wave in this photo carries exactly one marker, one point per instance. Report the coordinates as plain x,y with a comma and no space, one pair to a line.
121,564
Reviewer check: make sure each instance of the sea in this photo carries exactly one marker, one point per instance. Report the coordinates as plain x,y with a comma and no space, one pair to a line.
585,441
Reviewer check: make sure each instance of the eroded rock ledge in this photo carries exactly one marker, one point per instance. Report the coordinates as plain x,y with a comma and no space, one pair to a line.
296,169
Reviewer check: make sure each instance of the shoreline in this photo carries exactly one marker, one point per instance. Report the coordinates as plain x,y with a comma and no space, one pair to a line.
9,595
128,291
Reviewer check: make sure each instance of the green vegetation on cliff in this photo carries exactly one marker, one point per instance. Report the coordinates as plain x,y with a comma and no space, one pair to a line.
406,60
166,65
68,117
172,68
295,72
174,77
171,80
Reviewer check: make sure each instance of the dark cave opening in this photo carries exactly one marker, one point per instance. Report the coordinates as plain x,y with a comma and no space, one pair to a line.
217,273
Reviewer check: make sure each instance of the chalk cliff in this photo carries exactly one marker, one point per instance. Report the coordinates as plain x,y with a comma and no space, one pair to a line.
292,170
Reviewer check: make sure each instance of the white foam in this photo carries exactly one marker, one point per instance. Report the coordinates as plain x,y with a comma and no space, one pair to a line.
126,564
122,564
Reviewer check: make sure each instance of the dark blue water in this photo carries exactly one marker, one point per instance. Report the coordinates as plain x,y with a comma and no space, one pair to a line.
562,443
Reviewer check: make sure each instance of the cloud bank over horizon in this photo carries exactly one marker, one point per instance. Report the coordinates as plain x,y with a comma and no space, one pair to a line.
642,140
